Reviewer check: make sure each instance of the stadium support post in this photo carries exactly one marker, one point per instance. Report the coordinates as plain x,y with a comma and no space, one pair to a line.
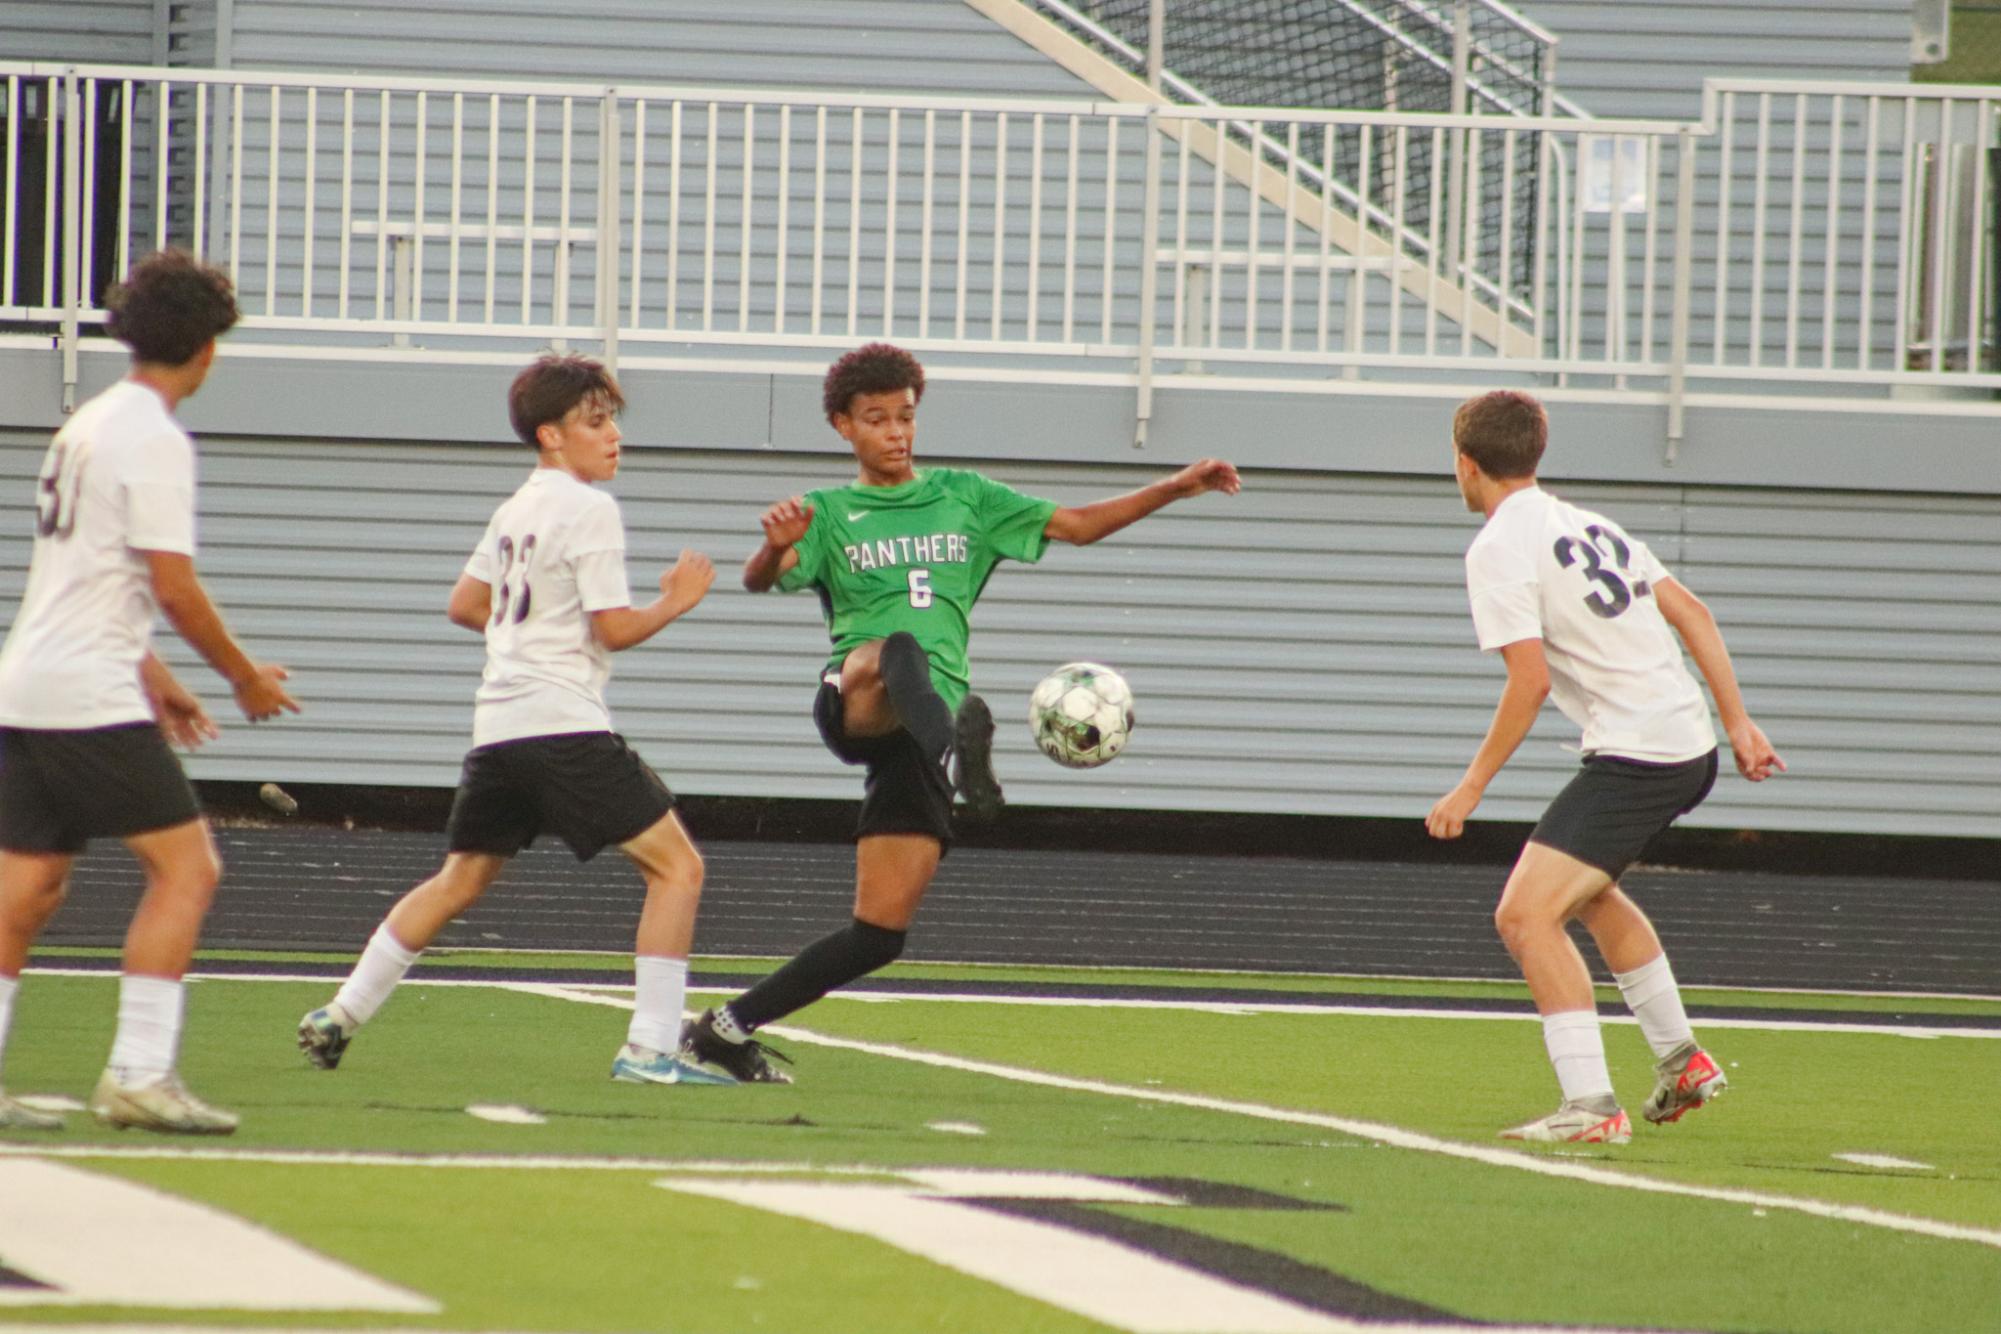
1684,264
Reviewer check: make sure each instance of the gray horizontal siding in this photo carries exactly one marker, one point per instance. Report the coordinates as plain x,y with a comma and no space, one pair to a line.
95,31
1639,58
913,46
1303,648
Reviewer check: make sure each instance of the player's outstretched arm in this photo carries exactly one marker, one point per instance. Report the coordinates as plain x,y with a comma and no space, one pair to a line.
186,605
681,587
784,524
1696,624
1521,700
180,715
471,604
1081,525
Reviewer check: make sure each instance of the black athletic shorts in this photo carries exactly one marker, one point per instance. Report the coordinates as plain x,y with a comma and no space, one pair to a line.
1608,813
589,789
59,790
904,793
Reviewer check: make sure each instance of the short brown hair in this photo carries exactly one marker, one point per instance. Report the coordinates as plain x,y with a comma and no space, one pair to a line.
551,386
877,368
1505,432
170,307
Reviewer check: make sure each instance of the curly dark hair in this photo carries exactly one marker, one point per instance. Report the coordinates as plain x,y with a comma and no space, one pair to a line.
170,307
877,368
552,385
1505,432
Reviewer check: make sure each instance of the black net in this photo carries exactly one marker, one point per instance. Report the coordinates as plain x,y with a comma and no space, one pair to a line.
1370,55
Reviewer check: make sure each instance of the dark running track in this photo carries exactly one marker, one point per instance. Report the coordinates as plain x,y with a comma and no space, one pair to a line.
322,888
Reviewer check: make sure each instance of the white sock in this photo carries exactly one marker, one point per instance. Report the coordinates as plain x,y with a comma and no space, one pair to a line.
1655,1001
1578,1053
8,986
375,975
149,1028
656,1012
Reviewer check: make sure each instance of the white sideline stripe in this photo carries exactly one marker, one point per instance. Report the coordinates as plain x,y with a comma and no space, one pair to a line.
1884,1160
98,1240
1395,1136
1248,1008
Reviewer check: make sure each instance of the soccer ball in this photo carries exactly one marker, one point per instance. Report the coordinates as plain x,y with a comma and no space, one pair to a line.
1081,714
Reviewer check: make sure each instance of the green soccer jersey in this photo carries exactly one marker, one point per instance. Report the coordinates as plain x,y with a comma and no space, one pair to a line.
914,557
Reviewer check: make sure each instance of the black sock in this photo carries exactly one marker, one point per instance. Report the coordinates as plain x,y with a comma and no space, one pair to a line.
906,674
856,950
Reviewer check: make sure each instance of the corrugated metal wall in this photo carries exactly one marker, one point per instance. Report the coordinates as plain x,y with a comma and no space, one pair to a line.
1304,648
108,31
1640,58
910,46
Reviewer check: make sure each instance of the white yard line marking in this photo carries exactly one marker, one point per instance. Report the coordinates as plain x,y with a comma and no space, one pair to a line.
955,1127
1884,1160
1232,1007
478,1162
50,1102
1103,1280
506,1114
1394,1136
152,1328
102,1241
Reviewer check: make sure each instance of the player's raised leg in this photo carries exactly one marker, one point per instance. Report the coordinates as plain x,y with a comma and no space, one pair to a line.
32,885
405,934
673,869
1685,1076
886,684
892,871
141,1086
1545,890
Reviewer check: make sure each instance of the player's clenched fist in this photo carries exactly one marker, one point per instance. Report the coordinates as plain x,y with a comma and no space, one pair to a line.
786,522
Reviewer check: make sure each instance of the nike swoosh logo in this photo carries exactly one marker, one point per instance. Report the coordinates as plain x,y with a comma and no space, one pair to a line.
858,514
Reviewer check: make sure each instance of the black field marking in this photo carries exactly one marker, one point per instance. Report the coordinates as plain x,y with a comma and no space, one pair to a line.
15,1280
1262,997
1200,1194
1247,1266
317,888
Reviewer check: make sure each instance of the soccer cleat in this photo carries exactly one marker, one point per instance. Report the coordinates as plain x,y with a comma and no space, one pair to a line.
324,1035
746,1059
973,759
164,1105
1686,1078
1574,1124
16,1115
642,1065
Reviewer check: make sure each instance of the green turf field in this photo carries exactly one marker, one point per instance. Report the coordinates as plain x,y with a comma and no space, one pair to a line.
1196,1167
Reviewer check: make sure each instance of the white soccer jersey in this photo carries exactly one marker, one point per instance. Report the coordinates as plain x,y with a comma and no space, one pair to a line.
553,554
1544,569
118,480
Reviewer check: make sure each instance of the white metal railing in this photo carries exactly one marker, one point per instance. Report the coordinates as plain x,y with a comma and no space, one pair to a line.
1803,235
